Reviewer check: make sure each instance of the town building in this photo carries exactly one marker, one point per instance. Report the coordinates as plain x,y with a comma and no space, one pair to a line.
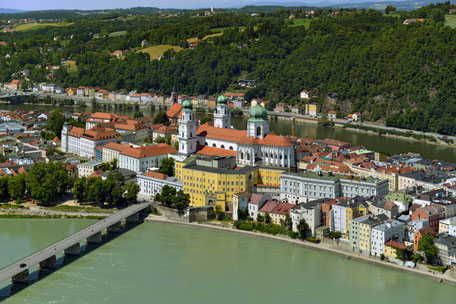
256,201
83,142
213,181
100,119
277,211
151,183
310,212
86,169
446,245
390,230
140,159
301,187
111,151
391,248
346,210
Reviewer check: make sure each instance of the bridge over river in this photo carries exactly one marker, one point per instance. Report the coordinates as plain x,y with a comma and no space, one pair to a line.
18,272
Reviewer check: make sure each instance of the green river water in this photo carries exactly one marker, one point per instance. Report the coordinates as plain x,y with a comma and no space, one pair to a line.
161,263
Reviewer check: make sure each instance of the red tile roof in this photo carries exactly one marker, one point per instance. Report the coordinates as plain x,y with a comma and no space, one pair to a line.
211,151
174,111
241,137
396,245
116,146
156,175
282,208
148,151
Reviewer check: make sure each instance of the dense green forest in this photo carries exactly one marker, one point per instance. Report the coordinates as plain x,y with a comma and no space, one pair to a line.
400,74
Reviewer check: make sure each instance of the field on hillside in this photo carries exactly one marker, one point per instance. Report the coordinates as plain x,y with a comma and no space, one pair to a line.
71,66
158,50
450,20
36,26
119,33
204,38
302,22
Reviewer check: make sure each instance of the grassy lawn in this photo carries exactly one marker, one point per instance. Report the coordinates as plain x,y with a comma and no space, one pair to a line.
396,15
71,66
119,33
450,20
35,26
89,209
302,22
158,50
205,37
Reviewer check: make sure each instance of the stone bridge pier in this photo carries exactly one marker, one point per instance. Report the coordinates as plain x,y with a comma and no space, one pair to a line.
97,238
73,250
115,228
49,263
21,278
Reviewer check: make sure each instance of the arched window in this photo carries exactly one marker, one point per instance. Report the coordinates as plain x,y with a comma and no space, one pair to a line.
222,146
214,145
248,156
280,156
231,148
205,144
182,146
191,134
258,132
242,155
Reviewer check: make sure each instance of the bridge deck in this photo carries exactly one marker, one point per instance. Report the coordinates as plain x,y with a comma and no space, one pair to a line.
14,269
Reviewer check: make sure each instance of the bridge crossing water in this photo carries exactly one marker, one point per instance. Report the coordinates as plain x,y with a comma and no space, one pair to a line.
46,258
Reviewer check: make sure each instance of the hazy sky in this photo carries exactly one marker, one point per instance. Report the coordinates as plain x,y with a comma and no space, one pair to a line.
100,4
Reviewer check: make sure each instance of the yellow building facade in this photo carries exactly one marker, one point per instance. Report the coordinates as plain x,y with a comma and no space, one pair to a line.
213,186
268,176
365,237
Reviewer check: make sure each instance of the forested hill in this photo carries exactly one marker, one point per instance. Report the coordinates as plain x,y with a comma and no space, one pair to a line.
403,75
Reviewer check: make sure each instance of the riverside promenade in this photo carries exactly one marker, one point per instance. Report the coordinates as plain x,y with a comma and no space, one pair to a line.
46,258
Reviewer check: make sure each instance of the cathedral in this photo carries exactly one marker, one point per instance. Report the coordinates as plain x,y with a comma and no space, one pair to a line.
254,146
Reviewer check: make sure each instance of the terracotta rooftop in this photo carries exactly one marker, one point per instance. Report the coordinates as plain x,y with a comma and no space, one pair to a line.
211,151
156,175
174,111
396,245
148,151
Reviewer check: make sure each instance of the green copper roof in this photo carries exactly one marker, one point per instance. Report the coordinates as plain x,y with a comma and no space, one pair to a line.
258,112
222,100
187,105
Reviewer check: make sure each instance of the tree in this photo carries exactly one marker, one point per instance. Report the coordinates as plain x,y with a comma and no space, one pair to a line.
96,191
437,15
403,254
17,187
288,223
4,192
426,245
167,166
161,118
205,119
267,218
260,218
303,228
79,190
181,201
46,180
131,190
113,186
389,9
138,114
55,123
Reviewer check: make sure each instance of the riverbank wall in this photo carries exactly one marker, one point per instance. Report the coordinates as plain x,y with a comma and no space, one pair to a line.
448,277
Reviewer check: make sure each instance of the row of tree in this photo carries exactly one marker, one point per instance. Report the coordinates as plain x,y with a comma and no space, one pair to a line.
113,190
44,183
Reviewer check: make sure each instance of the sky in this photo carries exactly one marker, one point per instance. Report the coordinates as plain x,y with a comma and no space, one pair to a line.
109,4
102,4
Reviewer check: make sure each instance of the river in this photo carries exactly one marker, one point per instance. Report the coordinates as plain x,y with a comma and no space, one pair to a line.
371,141
161,263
